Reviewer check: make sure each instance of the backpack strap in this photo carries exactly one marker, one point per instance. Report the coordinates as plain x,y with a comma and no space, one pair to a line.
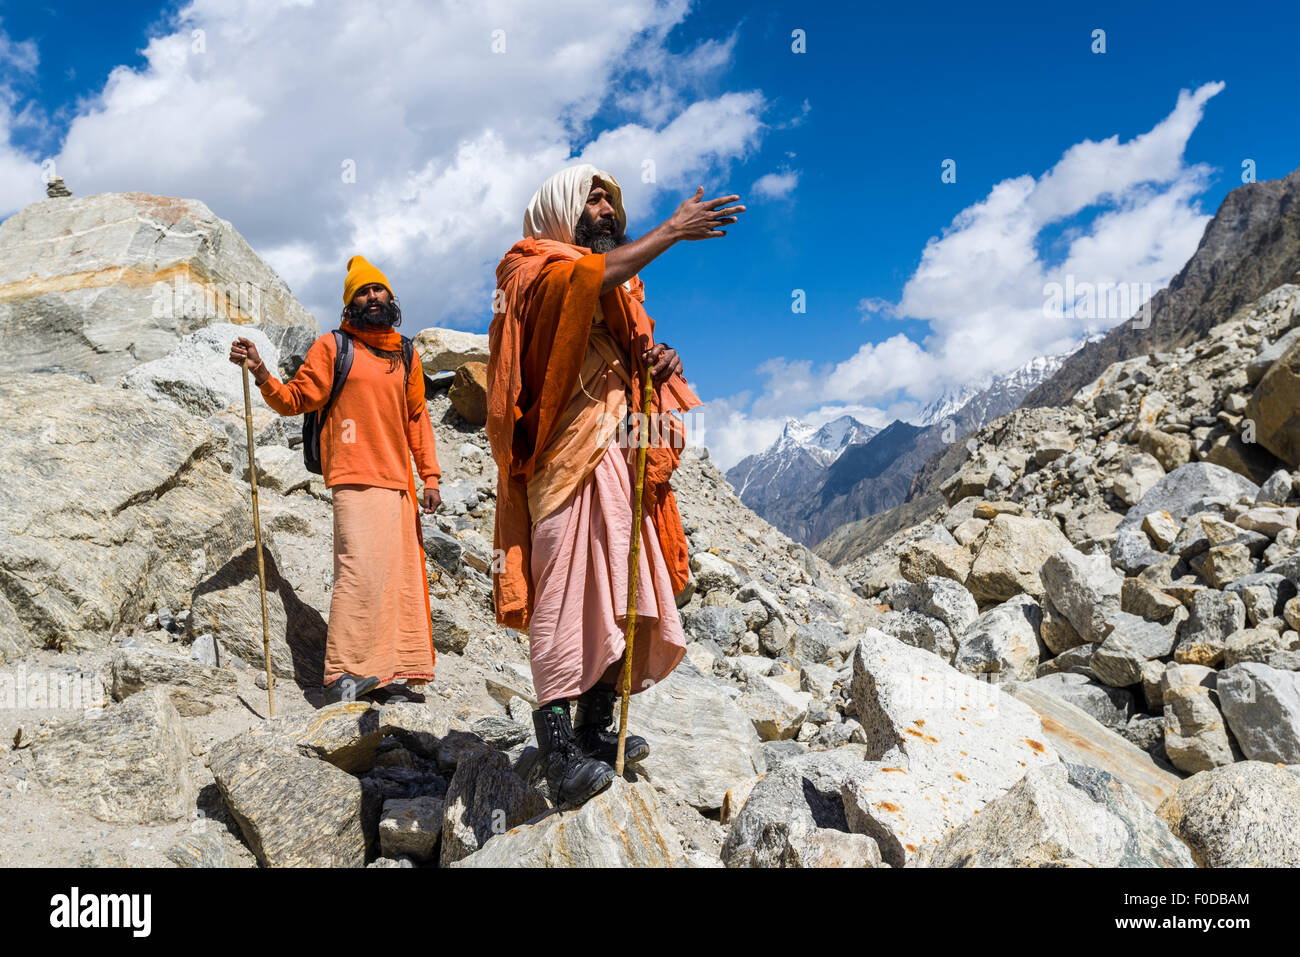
342,366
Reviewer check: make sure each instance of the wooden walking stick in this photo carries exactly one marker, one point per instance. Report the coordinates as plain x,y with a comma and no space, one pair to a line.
257,540
643,439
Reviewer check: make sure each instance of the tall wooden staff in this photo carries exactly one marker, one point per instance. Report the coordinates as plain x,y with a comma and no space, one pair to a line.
643,436
257,539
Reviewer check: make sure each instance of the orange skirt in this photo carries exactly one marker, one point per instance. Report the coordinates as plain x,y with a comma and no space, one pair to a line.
379,610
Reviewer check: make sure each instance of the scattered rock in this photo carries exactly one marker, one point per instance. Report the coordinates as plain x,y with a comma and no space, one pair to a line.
1244,815
940,745
126,765
701,743
411,827
1011,552
1063,815
1196,738
1262,708
623,826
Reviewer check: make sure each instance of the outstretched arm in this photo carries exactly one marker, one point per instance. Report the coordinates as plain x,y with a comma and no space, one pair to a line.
307,391
693,220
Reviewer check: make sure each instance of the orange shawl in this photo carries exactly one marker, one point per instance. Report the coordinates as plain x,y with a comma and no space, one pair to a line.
547,296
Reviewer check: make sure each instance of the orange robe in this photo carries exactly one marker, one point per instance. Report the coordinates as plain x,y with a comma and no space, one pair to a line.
379,622
537,346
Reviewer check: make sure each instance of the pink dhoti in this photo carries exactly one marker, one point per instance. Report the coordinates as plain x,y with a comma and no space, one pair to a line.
580,554
379,610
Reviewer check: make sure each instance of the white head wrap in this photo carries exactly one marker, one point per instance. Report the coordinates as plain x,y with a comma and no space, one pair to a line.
558,203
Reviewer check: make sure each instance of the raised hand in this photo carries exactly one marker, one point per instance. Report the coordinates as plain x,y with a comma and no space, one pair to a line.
697,219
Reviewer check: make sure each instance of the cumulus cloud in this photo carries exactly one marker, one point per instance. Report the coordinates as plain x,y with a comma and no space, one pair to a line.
20,174
410,131
776,185
1128,215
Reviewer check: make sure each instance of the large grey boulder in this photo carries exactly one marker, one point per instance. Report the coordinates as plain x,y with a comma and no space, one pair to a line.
920,631
114,501
446,350
1084,588
1132,642
226,603
411,827
814,643
1182,489
1063,815
701,743
485,798
198,375
937,597
1138,474
293,810
777,711
294,769
1203,637
940,745
127,765
1081,739
792,808
1262,707
99,284
1011,552
623,826
1002,644
1243,815
190,684
1273,407
721,625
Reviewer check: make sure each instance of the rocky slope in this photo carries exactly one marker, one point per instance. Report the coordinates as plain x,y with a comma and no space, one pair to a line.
793,734
1134,553
1251,245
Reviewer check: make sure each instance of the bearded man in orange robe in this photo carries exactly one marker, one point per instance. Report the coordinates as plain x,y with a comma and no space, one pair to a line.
569,344
379,623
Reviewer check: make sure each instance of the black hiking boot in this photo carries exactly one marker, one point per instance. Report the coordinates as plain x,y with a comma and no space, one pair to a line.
591,725
349,688
573,777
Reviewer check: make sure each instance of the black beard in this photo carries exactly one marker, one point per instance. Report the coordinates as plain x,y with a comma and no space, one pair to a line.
586,234
388,314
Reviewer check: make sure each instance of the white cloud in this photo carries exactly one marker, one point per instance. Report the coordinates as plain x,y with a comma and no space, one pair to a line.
20,174
875,306
18,56
981,285
448,138
776,185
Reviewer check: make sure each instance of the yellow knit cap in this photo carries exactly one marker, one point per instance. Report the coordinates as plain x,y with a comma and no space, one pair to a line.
361,273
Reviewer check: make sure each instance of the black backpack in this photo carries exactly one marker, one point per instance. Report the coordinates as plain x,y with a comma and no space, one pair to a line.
312,422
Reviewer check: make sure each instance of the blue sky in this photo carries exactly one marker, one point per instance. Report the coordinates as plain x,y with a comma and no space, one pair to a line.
858,126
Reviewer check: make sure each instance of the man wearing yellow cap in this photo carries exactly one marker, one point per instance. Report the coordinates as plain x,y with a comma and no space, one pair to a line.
379,622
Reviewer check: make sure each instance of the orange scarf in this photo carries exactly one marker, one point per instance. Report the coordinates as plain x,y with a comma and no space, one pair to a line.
388,339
